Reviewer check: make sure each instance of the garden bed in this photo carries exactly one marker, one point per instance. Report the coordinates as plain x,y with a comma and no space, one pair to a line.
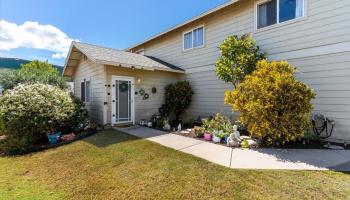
312,145
46,145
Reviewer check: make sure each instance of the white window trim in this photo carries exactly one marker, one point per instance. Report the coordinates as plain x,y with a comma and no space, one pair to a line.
278,24
88,100
191,31
85,100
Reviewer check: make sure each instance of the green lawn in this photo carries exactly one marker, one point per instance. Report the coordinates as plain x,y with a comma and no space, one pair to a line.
114,165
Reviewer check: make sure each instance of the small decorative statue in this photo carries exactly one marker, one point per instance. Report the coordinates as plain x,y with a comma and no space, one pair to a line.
234,139
166,126
179,127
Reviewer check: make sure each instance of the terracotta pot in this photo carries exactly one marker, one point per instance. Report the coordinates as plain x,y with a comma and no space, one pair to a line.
207,136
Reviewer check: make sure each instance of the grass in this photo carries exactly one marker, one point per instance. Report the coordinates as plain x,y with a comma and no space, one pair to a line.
114,165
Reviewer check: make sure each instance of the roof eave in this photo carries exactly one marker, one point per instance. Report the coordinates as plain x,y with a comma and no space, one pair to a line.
118,64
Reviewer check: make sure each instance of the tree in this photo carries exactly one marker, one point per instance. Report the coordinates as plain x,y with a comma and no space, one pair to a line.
33,72
239,56
273,105
178,97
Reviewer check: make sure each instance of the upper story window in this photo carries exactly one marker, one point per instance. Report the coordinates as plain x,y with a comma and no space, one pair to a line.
271,12
194,38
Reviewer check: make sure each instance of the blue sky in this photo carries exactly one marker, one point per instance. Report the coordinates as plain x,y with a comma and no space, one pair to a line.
43,29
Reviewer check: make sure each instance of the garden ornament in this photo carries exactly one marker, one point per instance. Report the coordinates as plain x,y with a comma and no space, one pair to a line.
166,126
179,127
321,124
234,138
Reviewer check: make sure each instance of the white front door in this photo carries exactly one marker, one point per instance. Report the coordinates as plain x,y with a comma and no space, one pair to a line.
122,99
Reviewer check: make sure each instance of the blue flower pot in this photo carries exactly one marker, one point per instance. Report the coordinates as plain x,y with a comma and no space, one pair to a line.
224,140
53,138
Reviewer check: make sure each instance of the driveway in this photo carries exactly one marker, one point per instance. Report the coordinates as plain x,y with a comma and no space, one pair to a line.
239,158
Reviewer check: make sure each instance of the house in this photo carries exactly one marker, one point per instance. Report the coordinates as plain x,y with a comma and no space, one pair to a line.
313,35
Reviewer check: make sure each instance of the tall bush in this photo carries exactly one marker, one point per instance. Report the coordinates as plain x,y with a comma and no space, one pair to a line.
178,97
238,58
273,104
33,72
29,112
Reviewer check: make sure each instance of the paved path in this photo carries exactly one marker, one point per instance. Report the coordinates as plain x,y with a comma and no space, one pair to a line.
262,158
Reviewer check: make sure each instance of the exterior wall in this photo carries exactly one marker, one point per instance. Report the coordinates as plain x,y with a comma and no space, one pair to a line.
318,44
95,73
144,109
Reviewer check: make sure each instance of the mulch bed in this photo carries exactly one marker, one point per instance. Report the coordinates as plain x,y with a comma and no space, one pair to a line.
46,146
314,145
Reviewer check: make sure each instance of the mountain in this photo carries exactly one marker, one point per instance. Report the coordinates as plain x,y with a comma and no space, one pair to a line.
15,63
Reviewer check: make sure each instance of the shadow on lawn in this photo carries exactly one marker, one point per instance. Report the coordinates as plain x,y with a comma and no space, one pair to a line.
109,137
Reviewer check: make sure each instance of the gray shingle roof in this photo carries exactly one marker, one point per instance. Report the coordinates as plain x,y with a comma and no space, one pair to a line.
110,56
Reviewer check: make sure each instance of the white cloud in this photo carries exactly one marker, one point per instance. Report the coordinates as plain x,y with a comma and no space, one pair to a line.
36,36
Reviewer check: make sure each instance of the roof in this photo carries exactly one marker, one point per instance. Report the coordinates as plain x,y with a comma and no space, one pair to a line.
16,63
108,56
230,2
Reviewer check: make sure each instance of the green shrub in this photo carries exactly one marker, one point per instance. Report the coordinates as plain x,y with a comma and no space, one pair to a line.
274,106
239,56
178,97
218,123
33,72
29,112
78,120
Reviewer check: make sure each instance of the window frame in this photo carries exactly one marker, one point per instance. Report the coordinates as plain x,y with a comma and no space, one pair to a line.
86,99
278,23
191,31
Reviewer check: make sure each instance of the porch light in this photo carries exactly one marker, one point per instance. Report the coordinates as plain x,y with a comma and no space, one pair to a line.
138,79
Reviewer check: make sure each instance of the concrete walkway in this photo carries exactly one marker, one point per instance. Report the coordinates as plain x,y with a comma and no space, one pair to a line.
262,158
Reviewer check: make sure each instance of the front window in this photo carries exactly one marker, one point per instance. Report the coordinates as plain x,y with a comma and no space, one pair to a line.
193,38
271,12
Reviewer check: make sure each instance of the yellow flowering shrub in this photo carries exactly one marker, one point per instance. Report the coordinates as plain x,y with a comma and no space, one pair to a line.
274,106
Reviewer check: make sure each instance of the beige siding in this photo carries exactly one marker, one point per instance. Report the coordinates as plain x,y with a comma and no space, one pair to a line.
329,76
326,23
144,109
95,73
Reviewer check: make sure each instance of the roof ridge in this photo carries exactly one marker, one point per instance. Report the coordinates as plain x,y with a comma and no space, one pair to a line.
99,46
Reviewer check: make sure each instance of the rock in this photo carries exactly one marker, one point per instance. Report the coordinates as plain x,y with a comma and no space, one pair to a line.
184,132
245,137
334,147
252,143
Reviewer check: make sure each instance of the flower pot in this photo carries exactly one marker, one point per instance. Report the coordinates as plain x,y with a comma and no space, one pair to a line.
224,139
53,138
207,136
198,134
216,139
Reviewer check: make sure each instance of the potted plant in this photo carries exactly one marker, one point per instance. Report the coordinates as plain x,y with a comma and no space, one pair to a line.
166,125
54,137
199,131
207,136
225,137
217,136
